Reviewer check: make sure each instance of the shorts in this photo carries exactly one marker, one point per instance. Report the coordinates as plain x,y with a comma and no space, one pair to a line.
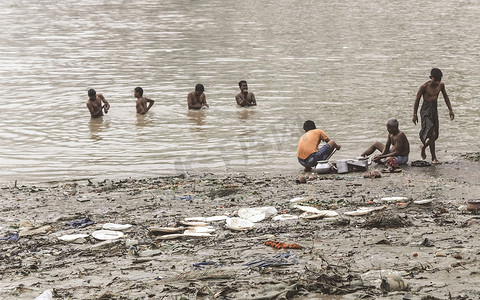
401,159
313,158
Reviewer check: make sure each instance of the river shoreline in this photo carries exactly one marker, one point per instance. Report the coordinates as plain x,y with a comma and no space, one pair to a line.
431,247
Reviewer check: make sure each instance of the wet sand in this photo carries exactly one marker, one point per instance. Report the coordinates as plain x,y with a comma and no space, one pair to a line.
431,250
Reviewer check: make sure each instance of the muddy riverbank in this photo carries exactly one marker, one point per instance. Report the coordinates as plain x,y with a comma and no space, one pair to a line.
424,251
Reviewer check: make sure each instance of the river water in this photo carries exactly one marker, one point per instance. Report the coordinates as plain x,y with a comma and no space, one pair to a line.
347,65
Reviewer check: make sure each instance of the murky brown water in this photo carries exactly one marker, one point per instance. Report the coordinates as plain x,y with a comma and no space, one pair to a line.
349,66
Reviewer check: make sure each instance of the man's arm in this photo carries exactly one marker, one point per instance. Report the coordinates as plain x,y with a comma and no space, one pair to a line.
240,100
203,100
254,101
447,101
420,92
106,105
150,103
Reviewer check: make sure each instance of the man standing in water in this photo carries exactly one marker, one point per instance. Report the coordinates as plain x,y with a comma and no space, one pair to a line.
245,98
142,107
429,113
94,104
197,99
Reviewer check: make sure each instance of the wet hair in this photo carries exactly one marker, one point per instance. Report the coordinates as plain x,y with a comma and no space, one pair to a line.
91,93
139,90
199,87
241,82
309,125
436,73
393,123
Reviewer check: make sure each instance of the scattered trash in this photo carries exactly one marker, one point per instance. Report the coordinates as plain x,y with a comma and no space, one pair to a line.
284,217
193,223
113,226
206,219
473,205
427,243
424,201
363,211
80,223
161,230
46,295
193,233
300,199
314,213
257,214
199,229
10,237
105,235
279,245
239,224
200,265
301,179
170,236
386,220
188,197
393,283
72,237
391,199
320,214
278,260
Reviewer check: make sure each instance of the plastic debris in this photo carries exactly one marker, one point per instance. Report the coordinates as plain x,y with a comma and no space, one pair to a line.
72,237
113,226
80,223
46,295
239,224
105,235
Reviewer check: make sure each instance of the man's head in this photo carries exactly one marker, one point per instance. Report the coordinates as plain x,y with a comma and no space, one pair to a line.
436,74
392,126
242,84
309,125
92,94
138,92
199,89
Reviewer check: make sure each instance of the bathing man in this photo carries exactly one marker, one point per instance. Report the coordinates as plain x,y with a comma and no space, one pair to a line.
94,104
400,147
308,153
142,102
429,113
245,98
197,99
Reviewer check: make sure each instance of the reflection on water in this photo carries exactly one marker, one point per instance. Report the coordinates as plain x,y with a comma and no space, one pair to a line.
97,125
146,119
197,117
347,65
243,114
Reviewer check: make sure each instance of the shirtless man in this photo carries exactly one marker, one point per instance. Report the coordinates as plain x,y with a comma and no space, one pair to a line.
429,113
244,98
197,99
399,142
142,107
94,104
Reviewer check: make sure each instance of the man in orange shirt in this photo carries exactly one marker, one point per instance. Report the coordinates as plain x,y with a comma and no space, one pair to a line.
308,153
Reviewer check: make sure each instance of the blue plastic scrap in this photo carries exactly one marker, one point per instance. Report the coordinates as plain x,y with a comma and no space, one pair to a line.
80,223
10,237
